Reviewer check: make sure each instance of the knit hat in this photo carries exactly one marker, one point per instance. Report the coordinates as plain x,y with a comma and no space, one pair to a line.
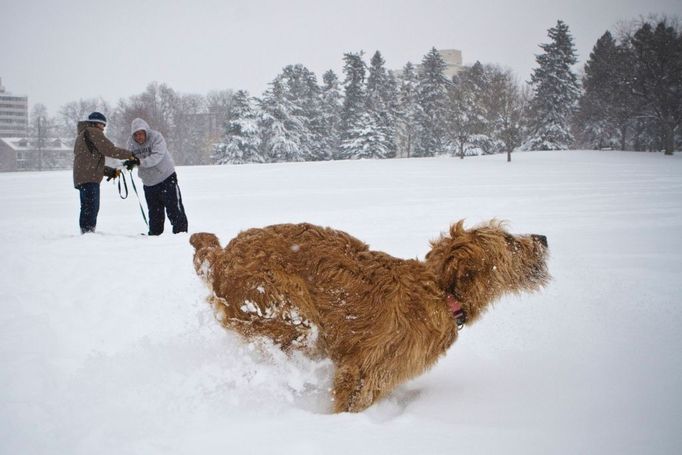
97,117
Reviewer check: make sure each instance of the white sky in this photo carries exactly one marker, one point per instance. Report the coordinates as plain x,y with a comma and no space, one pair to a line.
61,51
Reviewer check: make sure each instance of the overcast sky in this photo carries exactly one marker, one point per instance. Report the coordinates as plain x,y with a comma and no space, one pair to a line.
60,51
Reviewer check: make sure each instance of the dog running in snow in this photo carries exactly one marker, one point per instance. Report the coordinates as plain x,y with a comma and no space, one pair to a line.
382,320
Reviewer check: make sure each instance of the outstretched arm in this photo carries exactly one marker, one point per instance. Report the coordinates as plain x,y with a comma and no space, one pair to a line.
99,141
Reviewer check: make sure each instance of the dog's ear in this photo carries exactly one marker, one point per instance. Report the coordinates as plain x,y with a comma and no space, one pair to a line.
457,229
204,239
451,257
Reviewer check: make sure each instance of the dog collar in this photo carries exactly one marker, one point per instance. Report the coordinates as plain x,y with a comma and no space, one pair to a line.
455,307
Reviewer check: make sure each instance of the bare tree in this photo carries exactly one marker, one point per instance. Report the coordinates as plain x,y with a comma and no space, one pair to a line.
72,113
41,126
507,101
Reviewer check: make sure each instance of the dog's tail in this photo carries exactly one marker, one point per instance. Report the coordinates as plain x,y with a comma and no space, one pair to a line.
204,244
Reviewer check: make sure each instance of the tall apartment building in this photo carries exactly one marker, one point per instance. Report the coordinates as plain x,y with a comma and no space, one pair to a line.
13,114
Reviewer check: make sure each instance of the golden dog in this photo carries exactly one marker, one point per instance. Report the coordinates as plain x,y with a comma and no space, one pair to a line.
382,320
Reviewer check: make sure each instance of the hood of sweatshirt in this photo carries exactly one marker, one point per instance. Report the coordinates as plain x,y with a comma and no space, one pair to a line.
139,125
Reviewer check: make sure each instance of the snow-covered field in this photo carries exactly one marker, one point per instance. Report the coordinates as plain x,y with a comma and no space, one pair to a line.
107,345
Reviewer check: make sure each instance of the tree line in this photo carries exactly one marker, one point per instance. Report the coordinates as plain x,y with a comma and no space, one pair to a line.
628,97
632,90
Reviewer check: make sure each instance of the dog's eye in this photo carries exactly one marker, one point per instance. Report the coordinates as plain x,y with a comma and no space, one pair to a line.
511,242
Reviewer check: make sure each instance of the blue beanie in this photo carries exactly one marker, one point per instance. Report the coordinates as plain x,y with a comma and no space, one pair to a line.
97,117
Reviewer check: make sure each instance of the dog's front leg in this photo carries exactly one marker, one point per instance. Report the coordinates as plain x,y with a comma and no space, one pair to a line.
350,393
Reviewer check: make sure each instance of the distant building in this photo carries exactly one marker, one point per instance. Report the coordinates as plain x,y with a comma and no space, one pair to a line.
22,154
13,114
453,61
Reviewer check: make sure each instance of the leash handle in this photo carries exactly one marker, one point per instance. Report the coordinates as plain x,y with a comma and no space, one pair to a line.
125,186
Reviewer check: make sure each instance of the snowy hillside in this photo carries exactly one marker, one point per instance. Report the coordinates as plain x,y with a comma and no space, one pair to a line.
107,344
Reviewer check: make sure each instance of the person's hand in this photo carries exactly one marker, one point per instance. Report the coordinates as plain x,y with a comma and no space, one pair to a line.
131,163
117,174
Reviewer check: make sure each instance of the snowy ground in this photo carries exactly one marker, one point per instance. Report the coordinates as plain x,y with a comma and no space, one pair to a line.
107,345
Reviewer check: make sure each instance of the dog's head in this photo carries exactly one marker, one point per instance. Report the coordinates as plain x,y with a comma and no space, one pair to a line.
478,265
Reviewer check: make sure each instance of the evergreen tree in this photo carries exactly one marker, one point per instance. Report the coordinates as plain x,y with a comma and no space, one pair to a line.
606,107
407,111
381,105
657,82
555,93
432,89
354,116
241,142
282,131
367,140
300,89
331,101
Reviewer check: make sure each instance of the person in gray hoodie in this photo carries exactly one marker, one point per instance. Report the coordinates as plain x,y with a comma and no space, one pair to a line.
157,172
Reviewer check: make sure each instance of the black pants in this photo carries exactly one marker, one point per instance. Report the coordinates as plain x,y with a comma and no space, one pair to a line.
89,193
165,197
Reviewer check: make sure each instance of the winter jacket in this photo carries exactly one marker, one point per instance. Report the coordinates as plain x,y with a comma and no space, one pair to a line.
88,155
156,164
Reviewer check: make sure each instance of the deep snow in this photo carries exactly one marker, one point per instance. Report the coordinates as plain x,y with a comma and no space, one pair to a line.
108,346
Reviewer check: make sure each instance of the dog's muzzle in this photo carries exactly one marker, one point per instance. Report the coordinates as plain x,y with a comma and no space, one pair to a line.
541,239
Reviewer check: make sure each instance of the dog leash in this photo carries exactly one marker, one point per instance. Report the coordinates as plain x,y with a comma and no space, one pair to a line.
132,181
122,177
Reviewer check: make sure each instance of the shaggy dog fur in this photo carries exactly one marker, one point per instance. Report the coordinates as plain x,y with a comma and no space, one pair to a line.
380,319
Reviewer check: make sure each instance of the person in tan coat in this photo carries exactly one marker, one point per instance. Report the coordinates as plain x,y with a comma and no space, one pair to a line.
88,166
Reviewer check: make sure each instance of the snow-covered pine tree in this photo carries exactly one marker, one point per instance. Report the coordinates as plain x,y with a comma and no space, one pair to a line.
432,86
331,101
356,123
407,111
366,140
282,132
300,88
555,93
354,69
381,105
241,141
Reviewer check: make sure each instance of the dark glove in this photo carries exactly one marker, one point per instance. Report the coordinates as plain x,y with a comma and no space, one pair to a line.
131,163
116,174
